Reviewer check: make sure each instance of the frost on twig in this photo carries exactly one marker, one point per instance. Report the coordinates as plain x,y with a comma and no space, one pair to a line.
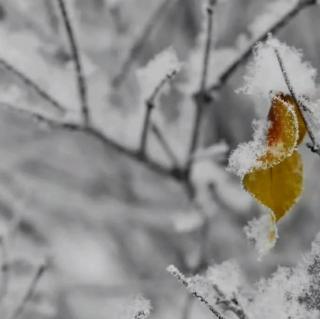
202,297
137,308
217,290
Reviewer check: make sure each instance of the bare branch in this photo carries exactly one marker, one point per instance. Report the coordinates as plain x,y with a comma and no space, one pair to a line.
165,145
200,98
279,24
29,292
302,108
184,281
80,77
30,83
140,41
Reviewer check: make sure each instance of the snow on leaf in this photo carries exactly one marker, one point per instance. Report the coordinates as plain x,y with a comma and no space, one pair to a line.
264,74
245,156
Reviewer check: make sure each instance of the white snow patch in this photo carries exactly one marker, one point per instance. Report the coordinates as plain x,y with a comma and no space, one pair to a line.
264,74
263,233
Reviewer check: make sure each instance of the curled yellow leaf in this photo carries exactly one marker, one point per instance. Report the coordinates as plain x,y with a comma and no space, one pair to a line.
276,181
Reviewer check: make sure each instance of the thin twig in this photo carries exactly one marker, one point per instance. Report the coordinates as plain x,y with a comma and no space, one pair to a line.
34,86
303,109
279,24
150,106
184,281
165,145
200,98
80,76
145,128
29,292
140,41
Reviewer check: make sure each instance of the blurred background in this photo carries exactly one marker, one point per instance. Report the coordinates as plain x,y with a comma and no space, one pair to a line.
109,226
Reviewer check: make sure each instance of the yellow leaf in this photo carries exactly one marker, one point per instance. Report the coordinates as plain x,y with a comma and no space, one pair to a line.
277,187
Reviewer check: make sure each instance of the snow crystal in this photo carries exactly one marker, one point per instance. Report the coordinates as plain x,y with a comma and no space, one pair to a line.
264,74
263,233
244,157
227,276
165,64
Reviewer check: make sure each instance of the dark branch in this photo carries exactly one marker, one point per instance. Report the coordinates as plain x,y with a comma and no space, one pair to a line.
80,77
135,155
279,24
